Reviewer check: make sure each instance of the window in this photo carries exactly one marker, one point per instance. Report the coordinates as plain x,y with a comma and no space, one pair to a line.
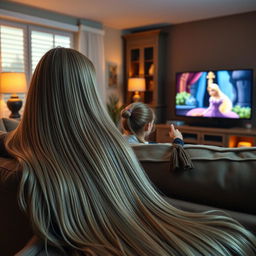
41,42
22,46
12,49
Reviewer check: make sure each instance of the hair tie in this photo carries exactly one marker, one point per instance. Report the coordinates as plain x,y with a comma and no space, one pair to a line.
126,113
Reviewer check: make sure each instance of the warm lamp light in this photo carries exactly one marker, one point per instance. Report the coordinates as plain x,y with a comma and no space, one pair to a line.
136,84
13,83
244,144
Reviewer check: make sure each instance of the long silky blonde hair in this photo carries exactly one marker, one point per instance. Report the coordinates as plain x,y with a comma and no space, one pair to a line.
226,104
82,187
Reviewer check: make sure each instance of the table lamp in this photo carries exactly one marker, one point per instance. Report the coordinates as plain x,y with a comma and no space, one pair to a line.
12,82
136,85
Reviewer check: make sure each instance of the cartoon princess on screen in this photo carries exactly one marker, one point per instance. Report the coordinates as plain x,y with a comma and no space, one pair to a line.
219,105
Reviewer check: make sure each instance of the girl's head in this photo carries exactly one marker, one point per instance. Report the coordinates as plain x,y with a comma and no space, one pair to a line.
138,119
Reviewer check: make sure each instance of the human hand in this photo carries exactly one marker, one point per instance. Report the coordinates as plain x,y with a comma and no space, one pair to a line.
175,133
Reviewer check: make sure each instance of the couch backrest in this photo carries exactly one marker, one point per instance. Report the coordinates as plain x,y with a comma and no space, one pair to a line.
221,177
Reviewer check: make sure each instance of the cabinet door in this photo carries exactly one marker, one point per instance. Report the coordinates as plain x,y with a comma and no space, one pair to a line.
149,66
134,62
142,60
134,67
141,64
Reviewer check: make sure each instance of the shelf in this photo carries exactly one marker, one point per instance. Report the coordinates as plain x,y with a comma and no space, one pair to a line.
233,140
144,57
190,136
210,136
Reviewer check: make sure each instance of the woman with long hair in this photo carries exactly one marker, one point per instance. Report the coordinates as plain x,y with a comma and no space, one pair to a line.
82,187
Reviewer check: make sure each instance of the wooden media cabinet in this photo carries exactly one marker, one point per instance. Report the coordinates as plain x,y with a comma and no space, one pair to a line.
224,137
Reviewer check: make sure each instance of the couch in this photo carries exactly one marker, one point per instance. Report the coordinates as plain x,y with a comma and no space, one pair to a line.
219,178
212,178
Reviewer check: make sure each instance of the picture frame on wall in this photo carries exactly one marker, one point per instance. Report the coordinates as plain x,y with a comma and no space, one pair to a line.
112,75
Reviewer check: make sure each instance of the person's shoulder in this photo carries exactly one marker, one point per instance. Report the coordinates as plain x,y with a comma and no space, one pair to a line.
132,139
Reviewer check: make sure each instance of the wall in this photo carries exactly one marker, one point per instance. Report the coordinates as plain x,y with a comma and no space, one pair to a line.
221,43
113,55
45,14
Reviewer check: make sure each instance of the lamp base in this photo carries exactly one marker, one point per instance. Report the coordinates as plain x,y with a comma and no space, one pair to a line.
14,104
136,97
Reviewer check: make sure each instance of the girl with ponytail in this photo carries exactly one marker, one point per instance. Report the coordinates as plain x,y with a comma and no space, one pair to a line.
138,123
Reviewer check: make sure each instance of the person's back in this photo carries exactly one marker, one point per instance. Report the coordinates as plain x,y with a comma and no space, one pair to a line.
82,187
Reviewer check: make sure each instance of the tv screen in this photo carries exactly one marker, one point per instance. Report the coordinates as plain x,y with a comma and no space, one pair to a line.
214,94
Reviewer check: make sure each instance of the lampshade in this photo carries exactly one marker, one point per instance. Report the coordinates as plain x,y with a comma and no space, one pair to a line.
136,84
11,82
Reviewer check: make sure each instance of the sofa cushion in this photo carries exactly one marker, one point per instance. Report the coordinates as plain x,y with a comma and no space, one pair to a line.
7,124
10,124
221,177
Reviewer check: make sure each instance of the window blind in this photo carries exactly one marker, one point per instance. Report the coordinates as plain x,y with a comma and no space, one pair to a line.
41,42
12,49
22,46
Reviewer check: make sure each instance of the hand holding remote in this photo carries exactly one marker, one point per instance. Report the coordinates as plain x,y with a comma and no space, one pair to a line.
175,133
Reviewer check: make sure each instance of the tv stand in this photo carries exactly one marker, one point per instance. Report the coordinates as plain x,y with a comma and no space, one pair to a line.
213,126
224,137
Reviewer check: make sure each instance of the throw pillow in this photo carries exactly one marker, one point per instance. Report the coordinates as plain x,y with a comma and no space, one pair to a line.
10,124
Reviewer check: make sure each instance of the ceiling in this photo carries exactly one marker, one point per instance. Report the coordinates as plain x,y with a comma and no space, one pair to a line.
124,14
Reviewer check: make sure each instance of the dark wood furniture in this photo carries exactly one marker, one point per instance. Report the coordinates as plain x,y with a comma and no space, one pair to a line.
144,57
225,137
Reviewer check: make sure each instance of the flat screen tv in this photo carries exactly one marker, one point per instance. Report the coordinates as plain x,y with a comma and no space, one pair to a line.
214,95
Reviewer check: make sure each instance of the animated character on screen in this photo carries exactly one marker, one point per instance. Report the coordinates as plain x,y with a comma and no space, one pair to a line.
221,94
219,105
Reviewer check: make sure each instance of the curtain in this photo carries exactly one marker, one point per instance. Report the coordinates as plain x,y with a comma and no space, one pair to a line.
91,44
